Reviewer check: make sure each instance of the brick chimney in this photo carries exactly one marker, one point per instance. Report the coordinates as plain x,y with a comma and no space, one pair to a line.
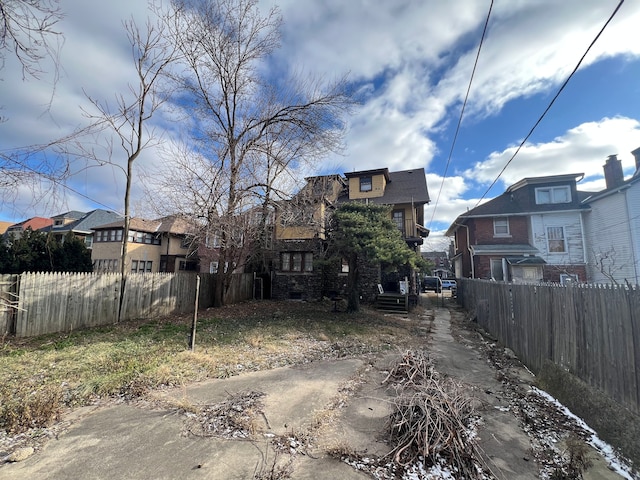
636,155
613,175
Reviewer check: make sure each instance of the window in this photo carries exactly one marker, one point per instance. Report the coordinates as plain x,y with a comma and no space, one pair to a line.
398,218
213,241
213,267
106,265
366,184
567,278
134,266
500,227
187,266
345,266
296,261
555,239
547,195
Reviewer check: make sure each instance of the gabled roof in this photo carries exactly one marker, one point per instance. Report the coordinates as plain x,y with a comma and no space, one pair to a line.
73,214
593,196
85,223
34,223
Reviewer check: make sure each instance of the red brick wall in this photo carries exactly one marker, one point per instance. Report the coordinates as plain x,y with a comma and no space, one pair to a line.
483,232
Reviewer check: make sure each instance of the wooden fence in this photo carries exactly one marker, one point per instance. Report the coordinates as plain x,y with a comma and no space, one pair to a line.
591,331
62,302
8,302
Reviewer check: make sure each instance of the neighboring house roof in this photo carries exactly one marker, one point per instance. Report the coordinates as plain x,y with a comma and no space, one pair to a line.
4,226
518,200
85,223
35,223
72,215
171,224
594,196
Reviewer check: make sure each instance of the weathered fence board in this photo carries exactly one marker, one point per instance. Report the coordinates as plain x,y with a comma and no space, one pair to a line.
8,302
591,331
62,302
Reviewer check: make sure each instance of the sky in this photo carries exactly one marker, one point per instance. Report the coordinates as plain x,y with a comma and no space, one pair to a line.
412,62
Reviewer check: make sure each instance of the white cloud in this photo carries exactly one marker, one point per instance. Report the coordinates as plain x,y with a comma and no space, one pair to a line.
412,58
583,149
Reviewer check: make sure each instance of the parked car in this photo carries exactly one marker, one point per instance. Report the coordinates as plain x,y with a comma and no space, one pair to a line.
432,283
449,284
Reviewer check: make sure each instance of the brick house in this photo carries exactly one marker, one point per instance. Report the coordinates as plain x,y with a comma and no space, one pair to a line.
300,236
161,245
532,232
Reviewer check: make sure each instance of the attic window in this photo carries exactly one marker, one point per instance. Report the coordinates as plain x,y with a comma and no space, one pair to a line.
365,184
548,195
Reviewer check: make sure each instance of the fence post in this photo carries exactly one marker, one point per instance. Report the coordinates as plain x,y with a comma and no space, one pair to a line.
192,337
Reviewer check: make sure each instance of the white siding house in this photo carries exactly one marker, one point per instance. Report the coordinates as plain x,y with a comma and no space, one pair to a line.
612,227
558,237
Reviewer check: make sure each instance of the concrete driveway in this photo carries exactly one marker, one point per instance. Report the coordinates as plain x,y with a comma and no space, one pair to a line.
340,404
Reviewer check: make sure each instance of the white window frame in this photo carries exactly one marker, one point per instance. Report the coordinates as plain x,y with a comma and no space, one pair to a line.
563,238
561,194
501,222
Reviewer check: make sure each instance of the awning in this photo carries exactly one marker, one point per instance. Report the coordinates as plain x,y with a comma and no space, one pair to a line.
530,260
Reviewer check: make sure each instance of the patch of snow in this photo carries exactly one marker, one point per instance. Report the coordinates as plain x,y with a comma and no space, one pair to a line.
607,451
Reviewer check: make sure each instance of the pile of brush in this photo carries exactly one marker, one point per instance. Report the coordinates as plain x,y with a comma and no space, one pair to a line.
433,419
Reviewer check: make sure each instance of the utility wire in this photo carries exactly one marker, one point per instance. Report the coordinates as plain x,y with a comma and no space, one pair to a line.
552,101
61,184
464,104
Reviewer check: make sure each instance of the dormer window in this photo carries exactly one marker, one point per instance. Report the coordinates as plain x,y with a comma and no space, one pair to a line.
548,195
365,184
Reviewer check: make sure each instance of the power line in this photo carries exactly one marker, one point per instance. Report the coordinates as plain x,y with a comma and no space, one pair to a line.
61,184
552,101
464,104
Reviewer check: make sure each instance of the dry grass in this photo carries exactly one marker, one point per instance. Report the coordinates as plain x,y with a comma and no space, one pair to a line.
41,376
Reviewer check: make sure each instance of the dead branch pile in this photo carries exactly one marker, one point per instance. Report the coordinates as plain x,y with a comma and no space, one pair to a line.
232,418
433,419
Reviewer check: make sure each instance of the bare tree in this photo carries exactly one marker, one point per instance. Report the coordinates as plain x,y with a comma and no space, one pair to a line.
28,31
123,128
238,115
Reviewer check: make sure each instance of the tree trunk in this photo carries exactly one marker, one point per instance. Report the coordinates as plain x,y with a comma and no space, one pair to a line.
353,280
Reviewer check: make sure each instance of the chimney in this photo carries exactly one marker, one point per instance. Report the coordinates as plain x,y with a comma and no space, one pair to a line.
613,175
636,155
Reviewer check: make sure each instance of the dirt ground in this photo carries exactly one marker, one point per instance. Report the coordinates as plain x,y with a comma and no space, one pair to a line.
331,419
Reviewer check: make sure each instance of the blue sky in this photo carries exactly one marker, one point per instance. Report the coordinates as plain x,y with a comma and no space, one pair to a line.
412,59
